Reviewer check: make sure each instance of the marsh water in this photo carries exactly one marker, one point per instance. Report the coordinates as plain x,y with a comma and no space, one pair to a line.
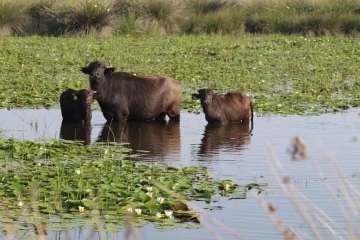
229,152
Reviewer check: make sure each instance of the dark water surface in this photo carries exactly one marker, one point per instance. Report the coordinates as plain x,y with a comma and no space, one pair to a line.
229,152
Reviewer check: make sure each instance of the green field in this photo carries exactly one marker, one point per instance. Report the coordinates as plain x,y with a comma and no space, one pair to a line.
283,74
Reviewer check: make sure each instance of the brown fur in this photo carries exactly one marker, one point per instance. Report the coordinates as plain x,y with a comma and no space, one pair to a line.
225,136
155,138
76,105
222,108
123,96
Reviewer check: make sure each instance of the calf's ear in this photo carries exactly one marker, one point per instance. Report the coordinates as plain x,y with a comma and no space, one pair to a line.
74,96
195,96
109,70
85,70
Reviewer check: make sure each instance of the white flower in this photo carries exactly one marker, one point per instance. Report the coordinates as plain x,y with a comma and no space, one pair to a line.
95,5
81,209
149,177
138,211
149,194
169,213
160,200
227,187
20,204
159,215
149,189
130,210
77,171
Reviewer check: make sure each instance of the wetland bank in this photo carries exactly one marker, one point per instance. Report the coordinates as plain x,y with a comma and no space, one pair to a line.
221,173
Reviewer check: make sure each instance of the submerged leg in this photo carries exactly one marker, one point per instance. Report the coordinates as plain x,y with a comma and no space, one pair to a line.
161,117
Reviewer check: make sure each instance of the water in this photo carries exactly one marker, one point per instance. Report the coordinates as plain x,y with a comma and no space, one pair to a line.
229,152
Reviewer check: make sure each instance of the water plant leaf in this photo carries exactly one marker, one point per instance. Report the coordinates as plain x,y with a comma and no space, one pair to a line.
81,185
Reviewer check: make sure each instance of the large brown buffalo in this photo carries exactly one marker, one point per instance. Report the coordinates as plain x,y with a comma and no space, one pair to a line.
225,107
76,105
123,96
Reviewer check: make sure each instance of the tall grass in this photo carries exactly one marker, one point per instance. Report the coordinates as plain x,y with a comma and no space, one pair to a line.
164,17
161,17
82,17
14,17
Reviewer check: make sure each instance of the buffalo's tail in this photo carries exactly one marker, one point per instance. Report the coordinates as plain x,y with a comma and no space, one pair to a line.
252,111
252,116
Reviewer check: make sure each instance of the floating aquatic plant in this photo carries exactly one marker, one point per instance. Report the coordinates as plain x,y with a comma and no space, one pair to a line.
81,182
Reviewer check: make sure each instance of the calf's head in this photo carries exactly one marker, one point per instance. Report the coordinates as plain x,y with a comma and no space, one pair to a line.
86,97
97,71
205,95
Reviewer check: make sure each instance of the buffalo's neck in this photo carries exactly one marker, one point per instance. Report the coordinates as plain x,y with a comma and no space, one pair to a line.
211,113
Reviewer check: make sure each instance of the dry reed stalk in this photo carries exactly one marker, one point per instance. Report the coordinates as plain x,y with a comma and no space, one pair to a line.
315,213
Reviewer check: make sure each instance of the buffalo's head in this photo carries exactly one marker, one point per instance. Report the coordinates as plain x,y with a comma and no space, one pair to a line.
86,97
97,71
205,95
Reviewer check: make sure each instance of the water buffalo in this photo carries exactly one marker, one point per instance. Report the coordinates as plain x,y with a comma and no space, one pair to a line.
123,96
224,107
76,105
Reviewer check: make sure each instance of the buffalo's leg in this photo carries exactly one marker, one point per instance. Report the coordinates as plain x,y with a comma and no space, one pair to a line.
109,116
174,117
121,116
174,113
161,117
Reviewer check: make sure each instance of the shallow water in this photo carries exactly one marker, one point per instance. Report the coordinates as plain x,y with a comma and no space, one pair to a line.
229,152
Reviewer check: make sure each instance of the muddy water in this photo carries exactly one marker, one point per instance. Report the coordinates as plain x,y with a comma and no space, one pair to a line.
229,152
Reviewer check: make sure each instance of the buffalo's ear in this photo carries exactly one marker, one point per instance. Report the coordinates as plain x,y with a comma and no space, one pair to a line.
195,96
109,70
85,70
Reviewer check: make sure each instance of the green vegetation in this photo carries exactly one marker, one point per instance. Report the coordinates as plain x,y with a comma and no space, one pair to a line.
77,183
283,74
163,17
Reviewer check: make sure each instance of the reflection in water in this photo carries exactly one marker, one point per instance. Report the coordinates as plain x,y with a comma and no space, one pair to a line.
152,137
230,137
76,131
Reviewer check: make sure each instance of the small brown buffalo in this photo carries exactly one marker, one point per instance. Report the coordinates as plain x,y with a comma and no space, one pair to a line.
225,107
123,96
76,105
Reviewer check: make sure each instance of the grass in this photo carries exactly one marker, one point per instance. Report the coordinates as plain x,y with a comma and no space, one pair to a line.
14,17
162,17
81,18
283,74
